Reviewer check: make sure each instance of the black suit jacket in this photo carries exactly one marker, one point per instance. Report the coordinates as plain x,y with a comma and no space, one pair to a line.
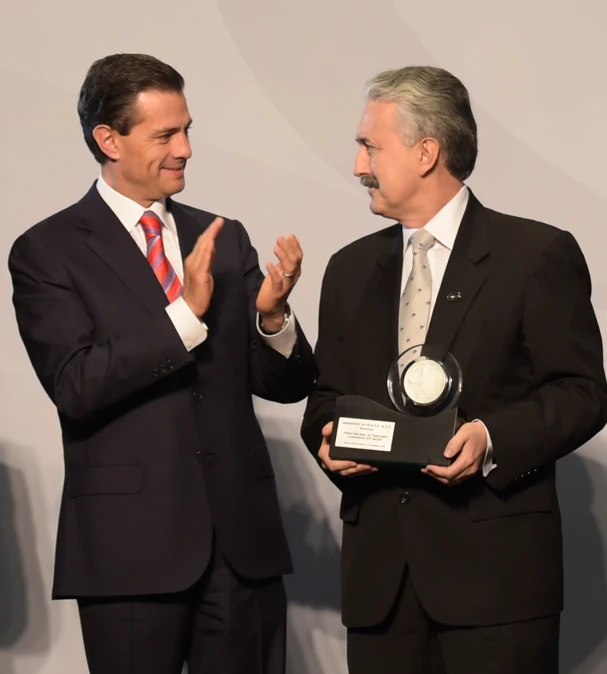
526,337
161,446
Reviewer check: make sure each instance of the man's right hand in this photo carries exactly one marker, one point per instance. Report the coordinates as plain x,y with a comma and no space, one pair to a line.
197,278
343,468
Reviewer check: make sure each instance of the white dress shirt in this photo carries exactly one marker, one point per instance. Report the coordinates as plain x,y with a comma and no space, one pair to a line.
444,227
190,328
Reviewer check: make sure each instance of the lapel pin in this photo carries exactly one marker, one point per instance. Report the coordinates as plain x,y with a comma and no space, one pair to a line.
454,297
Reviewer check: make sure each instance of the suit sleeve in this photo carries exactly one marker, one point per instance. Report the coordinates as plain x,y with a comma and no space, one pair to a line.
568,405
333,380
82,374
274,377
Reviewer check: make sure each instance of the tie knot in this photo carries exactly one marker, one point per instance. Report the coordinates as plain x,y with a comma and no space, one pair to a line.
151,224
422,239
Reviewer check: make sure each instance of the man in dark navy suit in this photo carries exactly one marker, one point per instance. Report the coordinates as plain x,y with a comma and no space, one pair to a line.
150,325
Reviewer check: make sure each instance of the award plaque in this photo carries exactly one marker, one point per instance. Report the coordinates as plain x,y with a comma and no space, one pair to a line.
424,384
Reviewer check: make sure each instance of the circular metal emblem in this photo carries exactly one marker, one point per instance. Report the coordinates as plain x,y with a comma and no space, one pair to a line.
425,382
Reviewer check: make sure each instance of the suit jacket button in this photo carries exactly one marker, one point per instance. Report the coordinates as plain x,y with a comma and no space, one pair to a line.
404,497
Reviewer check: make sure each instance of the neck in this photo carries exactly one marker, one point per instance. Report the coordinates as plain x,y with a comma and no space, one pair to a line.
431,198
114,179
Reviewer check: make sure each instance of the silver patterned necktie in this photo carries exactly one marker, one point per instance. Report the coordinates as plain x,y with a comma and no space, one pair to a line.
414,310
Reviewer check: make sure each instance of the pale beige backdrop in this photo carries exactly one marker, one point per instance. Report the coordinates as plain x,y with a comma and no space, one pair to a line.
274,89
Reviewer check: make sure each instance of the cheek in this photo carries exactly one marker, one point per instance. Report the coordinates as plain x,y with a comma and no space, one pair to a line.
157,160
384,177
373,165
381,169
395,181
131,166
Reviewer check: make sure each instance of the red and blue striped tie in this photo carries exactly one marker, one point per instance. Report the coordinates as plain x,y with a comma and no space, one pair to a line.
152,228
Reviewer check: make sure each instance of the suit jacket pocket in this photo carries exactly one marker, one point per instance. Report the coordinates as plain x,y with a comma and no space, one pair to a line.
99,480
487,504
349,507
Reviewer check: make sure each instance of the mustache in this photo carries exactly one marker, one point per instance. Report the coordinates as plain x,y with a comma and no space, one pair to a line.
369,181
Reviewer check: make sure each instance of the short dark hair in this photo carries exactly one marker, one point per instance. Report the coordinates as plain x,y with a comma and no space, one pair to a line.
110,87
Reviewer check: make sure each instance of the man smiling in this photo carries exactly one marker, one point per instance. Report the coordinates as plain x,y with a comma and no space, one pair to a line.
150,326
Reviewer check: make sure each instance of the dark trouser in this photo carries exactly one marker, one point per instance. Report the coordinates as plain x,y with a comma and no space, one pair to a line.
409,642
224,624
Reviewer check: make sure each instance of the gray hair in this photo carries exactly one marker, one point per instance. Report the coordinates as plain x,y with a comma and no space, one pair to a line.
432,103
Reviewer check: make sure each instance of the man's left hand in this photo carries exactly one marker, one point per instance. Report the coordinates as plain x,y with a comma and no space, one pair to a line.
280,281
469,445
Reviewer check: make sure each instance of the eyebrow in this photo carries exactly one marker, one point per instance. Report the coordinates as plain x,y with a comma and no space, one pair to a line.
170,131
363,140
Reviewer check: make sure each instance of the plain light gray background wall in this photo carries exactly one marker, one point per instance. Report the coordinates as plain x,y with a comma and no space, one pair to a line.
274,90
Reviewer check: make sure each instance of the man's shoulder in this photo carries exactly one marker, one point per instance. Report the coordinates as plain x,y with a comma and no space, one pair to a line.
51,227
513,230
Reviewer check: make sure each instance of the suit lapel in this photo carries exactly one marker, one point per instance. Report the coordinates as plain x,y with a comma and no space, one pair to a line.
188,229
107,237
464,276
381,299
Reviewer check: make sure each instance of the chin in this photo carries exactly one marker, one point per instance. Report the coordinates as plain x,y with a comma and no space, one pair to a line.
174,186
376,209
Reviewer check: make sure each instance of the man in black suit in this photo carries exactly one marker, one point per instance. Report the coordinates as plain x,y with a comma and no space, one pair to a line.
455,569
150,326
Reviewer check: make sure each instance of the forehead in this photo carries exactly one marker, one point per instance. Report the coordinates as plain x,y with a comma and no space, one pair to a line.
378,119
160,108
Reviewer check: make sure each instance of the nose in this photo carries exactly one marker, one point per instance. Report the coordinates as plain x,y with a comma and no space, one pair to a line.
181,146
362,166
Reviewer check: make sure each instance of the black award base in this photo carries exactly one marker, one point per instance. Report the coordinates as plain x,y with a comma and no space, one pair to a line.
367,432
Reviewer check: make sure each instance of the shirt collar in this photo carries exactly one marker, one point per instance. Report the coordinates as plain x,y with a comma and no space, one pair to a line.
129,212
445,224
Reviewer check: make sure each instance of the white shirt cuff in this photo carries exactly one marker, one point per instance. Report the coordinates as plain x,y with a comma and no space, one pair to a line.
488,463
190,328
283,341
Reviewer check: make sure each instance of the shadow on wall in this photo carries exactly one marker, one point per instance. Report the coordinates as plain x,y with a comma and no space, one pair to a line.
313,590
24,615
582,488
